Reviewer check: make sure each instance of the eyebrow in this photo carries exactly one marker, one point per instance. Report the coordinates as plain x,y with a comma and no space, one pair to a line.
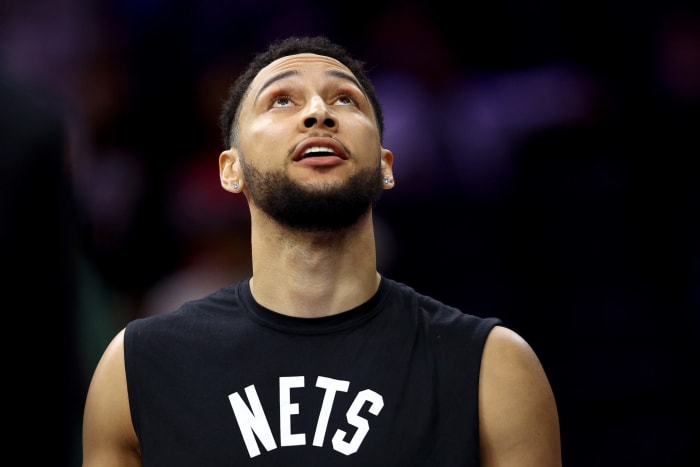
286,74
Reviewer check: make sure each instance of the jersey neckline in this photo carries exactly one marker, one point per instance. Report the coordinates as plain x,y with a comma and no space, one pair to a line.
321,325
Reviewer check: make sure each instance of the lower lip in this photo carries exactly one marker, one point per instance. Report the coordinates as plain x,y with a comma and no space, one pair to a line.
321,161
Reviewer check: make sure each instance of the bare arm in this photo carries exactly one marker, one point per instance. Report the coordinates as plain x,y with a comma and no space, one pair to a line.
109,439
518,421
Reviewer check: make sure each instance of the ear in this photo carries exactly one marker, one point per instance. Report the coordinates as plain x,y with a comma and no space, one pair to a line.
386,165
230,172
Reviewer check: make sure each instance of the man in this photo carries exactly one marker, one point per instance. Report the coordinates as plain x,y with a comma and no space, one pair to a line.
317,359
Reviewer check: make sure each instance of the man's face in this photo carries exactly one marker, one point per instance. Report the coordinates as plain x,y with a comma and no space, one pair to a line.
309,145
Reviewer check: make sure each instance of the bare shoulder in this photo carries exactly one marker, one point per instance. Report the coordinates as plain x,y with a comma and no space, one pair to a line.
518,419
108,435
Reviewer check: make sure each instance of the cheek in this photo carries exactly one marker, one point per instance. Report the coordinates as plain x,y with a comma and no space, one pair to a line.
362,123
368,135
262,130
265,141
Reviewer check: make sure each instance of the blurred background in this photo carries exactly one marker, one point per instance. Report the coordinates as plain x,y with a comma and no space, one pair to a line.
545,164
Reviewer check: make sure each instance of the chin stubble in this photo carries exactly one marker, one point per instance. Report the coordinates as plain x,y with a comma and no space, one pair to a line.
324,208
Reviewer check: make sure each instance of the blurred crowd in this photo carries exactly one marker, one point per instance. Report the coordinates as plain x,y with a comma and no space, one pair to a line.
545,170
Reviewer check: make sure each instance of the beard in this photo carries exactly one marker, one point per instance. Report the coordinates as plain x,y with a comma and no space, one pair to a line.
320,209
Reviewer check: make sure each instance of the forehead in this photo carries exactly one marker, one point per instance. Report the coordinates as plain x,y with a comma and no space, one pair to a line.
299,64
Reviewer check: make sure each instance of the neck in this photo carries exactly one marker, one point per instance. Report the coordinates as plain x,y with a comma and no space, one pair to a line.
312,274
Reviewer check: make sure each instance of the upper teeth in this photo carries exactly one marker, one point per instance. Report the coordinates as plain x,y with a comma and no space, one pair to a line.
317,149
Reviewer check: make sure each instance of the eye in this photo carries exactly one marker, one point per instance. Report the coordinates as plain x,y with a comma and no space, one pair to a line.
281,101
345,99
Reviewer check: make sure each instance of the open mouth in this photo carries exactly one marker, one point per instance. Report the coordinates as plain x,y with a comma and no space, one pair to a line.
323,147
317,151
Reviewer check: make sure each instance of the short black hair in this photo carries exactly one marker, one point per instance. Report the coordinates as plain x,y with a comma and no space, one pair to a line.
319,45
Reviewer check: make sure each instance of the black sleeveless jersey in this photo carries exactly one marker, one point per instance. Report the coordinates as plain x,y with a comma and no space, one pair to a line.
223,381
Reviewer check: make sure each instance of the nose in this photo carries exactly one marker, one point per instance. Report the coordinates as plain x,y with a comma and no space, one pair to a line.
317,113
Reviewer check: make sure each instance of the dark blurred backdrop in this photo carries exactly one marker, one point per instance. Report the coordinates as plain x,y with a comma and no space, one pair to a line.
546,158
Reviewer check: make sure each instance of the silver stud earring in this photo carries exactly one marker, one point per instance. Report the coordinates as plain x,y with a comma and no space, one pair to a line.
235,185
386,180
